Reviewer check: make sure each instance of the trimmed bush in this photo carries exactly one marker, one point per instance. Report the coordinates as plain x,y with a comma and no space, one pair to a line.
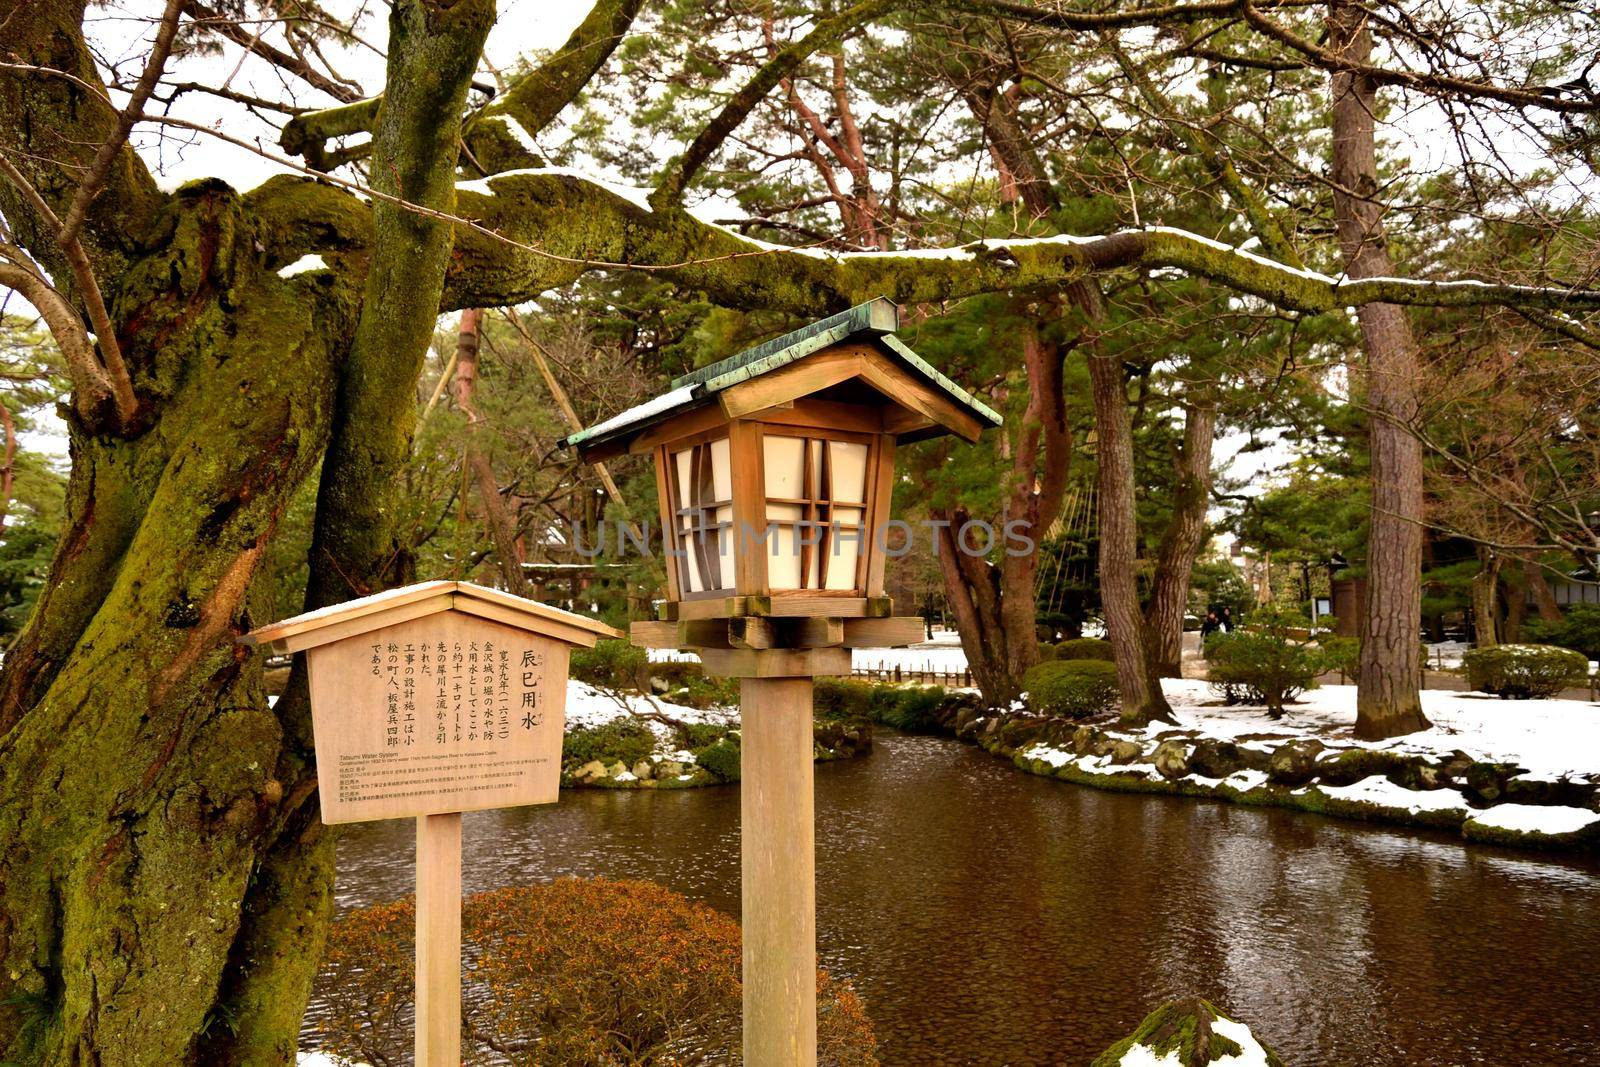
613,664
1579,629
1521,672
578,971
721,759
1265,665
1343,654
910,708
1076,688
621,739
1079,648
842,700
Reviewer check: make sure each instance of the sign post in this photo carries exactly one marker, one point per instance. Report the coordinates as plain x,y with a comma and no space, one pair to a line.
428,701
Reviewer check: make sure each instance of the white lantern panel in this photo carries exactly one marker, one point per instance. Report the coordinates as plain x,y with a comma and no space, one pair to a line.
844,553
785,466
721,470
784,558
847,471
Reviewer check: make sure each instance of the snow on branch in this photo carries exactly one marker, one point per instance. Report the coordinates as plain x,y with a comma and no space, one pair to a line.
534,228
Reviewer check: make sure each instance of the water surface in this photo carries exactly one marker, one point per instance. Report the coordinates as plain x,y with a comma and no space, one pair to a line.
991,917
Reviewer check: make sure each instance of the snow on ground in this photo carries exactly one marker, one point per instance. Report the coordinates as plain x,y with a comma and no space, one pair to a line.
1537,818
591,706
1549,738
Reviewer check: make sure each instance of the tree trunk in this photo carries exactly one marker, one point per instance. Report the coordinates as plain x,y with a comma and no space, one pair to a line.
1388,699
164,880
1485,607
1543,598
143,778
502,528
994,602
1180,545
1142,698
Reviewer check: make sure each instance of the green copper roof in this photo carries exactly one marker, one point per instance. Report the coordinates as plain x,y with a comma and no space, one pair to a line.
876,320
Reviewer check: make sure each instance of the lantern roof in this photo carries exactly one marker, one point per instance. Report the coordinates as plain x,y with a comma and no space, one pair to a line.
390,607
873,322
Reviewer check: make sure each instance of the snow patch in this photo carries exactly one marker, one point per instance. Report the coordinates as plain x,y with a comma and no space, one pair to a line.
1377,789
1537,818
302,265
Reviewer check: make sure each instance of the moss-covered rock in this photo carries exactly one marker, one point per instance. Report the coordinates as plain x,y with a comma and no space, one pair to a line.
1294,762
1188,1033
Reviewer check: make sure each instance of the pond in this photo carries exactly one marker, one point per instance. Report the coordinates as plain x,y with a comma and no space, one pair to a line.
991,917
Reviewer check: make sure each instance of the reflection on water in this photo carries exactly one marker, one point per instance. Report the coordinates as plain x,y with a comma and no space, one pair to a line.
991,917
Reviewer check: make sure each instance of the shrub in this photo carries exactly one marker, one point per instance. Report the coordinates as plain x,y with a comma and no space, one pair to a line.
842,700
1579,629
687,684
721,758
1342,654
579,971
910,708
1073,688
614,664
1265,665
1080,648
1523,671
621,739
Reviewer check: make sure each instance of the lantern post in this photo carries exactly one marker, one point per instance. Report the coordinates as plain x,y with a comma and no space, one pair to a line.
775,472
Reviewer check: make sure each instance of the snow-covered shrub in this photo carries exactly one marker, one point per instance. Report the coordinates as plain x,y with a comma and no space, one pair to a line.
1521,672
1265,665
1578,629
1078,648
1076,688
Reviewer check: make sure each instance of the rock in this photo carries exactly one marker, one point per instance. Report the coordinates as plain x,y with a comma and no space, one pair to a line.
617,769
1126,751
1171,759
593,769
1429,777
1294,762
659,685
1188,1033
669,769
1487,781
1215,759
1083,739
643,771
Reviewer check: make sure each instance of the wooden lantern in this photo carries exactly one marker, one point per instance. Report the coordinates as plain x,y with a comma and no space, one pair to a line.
775,469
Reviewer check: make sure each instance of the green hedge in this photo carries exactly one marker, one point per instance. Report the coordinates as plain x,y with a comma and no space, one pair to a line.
1073,688
1078,648
1521,672
1578,629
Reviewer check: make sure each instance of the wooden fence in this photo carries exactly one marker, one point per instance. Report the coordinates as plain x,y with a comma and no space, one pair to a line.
948,679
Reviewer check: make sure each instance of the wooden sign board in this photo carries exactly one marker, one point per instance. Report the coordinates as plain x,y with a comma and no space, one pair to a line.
449,712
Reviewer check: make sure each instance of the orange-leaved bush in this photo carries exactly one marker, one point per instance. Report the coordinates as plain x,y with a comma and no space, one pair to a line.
578,971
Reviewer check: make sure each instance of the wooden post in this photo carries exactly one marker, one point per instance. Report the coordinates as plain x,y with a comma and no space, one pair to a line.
439,940
779,873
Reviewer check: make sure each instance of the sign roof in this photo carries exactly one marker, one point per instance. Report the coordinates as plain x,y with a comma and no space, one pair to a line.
392,606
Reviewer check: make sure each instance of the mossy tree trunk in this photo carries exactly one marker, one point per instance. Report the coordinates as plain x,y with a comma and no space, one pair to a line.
163,879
